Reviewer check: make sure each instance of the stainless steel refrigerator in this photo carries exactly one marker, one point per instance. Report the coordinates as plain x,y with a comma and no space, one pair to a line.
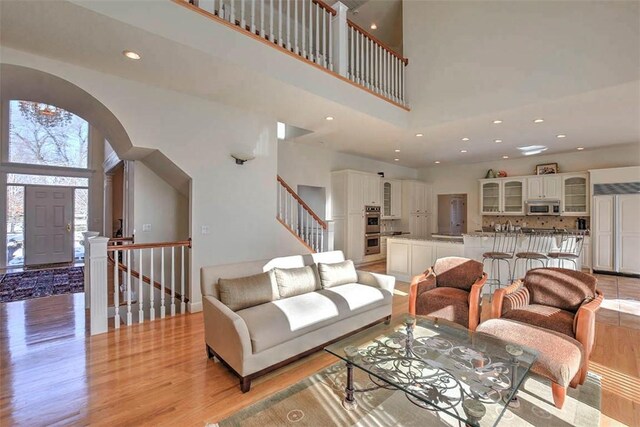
452,214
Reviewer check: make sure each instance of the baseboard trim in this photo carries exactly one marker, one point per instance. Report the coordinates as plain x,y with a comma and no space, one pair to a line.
194,307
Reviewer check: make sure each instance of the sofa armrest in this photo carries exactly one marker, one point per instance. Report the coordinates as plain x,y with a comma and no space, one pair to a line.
514,295
585,322
475,298
226,333
377,280
419,284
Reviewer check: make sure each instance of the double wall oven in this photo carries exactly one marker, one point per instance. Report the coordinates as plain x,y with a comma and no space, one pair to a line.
371,230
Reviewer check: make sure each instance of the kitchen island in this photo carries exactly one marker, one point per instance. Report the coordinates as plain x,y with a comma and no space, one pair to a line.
408,257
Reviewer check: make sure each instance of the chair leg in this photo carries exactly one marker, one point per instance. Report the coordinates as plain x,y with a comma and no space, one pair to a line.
559,393
245,384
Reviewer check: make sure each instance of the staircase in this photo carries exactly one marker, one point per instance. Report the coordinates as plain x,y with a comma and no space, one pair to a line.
297,217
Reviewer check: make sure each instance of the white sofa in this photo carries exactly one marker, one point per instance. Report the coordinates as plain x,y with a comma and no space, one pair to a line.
258,339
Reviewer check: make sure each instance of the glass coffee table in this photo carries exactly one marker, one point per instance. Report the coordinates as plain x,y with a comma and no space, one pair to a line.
440,366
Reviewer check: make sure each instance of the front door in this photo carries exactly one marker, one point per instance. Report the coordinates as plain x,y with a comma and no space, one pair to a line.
48,225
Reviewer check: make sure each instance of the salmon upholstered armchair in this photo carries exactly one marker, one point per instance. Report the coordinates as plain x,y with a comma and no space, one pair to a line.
560,300
451,290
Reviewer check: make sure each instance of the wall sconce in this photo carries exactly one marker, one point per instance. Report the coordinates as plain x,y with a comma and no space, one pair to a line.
242,158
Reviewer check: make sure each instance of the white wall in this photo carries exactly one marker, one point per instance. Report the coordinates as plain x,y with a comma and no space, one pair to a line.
311,164
448,179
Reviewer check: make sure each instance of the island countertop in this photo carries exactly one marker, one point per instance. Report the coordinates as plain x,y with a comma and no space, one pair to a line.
454,241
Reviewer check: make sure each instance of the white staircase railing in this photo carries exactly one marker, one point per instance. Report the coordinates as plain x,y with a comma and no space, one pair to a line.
318,33
134,283
300,219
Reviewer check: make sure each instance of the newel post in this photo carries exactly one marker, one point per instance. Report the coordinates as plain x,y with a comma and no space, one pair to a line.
340,39
87,286
98,284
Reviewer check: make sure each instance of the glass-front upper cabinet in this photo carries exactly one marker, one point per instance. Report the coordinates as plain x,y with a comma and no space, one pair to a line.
490,197
513,197
391,199
386,199
575,195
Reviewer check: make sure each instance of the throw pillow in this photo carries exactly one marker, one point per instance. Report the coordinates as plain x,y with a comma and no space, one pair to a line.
340,273
296,281
245,292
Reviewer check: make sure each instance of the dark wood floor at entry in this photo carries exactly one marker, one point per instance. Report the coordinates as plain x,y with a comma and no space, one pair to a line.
157,373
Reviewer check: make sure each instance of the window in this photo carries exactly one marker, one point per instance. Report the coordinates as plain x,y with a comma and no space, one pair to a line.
41,134
15,225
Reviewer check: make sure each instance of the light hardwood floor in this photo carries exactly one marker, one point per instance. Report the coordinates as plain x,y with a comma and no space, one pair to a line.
157,373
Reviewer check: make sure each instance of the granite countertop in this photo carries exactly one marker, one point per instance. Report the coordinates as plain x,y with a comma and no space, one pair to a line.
393,233
525,231
430,239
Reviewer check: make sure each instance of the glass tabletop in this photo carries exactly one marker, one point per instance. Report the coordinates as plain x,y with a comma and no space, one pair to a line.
441,366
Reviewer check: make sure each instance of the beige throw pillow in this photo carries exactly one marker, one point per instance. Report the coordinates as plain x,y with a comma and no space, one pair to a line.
336,274
296,281
245,292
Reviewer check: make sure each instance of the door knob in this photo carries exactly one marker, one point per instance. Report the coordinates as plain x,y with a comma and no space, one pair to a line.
69,228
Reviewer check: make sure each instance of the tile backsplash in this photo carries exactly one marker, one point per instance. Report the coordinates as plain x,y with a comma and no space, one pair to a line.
568,222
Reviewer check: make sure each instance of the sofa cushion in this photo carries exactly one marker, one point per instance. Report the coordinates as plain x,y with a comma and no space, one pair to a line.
249,291
559,357
559,287
296,281
445,303
456,272
279,321
545,317
339,273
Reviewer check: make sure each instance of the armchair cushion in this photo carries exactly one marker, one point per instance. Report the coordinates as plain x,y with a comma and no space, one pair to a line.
543,316
456,272
516,300
559,287
445,303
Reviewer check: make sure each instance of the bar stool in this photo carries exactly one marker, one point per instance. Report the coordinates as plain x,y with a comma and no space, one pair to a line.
504,246
540,243
569,248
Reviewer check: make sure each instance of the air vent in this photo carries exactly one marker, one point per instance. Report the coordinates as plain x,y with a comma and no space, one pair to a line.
620,188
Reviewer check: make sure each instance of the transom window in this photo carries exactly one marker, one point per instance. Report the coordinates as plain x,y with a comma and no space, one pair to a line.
42,134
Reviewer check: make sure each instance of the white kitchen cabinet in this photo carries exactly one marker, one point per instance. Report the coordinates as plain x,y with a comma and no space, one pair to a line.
399,258
544,187
603,233
356,192
391,199
502,196
422,257
419,225
409,257
355,237
416,197
490,195
371,190
575,194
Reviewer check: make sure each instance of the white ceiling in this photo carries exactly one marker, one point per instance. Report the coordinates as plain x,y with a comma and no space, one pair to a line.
461,77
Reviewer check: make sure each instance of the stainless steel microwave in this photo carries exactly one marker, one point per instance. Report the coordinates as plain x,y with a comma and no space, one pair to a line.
542,207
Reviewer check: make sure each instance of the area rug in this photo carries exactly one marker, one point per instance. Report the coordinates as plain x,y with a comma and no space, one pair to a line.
316,401
41,283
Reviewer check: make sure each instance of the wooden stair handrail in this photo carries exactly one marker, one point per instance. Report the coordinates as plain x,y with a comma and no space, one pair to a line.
376,40
146,279
300,239
325,6
180,243
304,205
115,240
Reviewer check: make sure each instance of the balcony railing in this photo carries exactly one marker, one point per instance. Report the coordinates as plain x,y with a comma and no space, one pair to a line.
315,32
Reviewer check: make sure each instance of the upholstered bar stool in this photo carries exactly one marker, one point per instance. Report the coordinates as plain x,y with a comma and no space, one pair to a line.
504,246
569,248
539,245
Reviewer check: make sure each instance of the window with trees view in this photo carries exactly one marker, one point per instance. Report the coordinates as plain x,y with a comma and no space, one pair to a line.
43,134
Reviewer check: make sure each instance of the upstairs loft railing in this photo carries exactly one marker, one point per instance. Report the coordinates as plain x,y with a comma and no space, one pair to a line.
300,219
147,281
315,32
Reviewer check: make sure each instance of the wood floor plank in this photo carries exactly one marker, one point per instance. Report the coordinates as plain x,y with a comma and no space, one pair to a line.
157,373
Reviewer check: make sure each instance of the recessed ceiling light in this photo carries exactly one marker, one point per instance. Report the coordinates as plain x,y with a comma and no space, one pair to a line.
465,139
437,162
463,151
397,160
131,54
561,136
497,122
580,148
419,135
498,140
505,157
374,27
328,118
538,121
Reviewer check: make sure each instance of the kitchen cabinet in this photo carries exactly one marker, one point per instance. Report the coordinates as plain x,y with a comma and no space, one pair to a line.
355,238
416,197
544,187
409,257
586,253
398,258
503,196
391,199
603,233
371,190
422,257
575,190
419,225
356,192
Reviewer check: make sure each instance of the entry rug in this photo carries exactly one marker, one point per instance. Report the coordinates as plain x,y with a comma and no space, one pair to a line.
41,283
316,401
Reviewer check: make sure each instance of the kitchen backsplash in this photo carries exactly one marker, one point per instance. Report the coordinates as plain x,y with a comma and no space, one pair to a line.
390,225
568,222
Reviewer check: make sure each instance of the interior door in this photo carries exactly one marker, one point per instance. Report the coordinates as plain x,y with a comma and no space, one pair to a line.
48,225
